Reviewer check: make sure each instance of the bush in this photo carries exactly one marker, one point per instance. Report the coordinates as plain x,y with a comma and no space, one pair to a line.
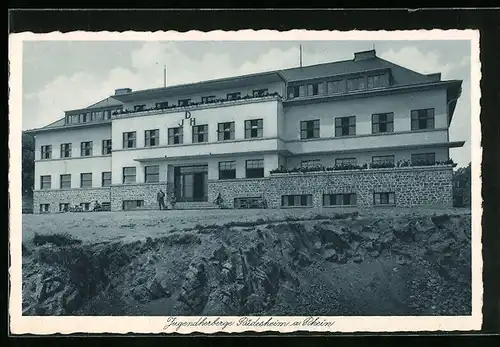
58,239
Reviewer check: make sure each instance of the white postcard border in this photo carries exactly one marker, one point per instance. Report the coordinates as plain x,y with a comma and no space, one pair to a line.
49,325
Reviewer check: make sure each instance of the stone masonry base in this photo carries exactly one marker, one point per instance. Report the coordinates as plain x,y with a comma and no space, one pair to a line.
422,186
429,186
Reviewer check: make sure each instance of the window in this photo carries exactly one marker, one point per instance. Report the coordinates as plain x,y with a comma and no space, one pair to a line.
66,150
309,129
248,202
377,81
345,161
106,206
151,138
85,117
129,139
315,89
383,159
384,199
233,96
46,152
259,92
422,119
96,116
152,174
345,126
45,182
106,179
356,83
348,199
184,102
139,107
107,114
64,207
335,87
65,181
161,105
85,206
254,128
422,159
44,208
128,205
106,147
86,149
226,131
296,91
200,133
208,98
128,175
175,136
306,164
382,123
86,180
227,170
72,119
296,200
254,168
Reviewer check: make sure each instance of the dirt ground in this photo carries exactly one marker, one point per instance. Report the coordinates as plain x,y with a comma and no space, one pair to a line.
138,225
249,262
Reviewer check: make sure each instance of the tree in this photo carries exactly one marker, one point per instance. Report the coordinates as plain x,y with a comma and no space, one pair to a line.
28,164
462,183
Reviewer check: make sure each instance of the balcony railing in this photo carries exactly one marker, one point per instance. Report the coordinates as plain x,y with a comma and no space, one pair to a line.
195,104
365,166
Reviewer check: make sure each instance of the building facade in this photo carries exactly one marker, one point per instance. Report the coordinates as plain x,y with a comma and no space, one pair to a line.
361,132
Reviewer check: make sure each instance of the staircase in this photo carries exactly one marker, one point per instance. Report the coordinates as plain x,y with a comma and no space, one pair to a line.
199,205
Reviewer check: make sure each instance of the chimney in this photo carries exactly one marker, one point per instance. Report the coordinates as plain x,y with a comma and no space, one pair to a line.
365,55
435,77
122,91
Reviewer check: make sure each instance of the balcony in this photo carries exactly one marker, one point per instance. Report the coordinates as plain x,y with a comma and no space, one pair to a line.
208,149
211,103
371,141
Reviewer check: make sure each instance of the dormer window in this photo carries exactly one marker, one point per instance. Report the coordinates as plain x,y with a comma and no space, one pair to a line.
335,87
296,91
209,98
357,83
234,96
161,105
184,102
315,89
259,92
85,117
377,81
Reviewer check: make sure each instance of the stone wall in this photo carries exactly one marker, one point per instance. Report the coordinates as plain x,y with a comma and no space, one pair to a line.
73,197
429,186
238,188
145,191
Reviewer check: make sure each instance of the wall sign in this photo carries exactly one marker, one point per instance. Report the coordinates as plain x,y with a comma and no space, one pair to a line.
187,115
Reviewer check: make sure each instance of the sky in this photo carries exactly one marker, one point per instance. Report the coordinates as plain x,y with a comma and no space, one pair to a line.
66,75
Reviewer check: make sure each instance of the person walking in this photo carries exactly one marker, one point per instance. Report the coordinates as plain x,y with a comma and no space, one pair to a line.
161,199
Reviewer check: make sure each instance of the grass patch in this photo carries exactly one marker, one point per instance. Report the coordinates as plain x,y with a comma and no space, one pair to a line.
58,239
131,225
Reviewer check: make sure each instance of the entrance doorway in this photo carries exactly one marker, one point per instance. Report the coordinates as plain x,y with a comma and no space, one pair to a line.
191,183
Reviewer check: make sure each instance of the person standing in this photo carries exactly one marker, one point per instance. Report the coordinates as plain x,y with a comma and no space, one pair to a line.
161,199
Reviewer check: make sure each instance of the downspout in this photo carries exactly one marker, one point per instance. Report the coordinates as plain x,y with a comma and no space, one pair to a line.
449,119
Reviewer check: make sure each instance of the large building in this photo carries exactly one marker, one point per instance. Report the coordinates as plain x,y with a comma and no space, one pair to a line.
360,132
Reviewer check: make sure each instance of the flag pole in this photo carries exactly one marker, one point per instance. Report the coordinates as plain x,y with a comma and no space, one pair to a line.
164,75
300,47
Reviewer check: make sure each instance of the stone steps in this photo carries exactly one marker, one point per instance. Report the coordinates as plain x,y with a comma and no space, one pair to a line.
195,205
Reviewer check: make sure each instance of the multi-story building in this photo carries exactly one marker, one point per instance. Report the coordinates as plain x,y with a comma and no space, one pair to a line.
360,132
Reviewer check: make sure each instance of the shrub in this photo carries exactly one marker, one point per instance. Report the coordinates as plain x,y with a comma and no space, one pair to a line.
58,239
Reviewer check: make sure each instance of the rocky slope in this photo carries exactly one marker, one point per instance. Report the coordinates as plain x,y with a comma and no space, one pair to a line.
345,265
